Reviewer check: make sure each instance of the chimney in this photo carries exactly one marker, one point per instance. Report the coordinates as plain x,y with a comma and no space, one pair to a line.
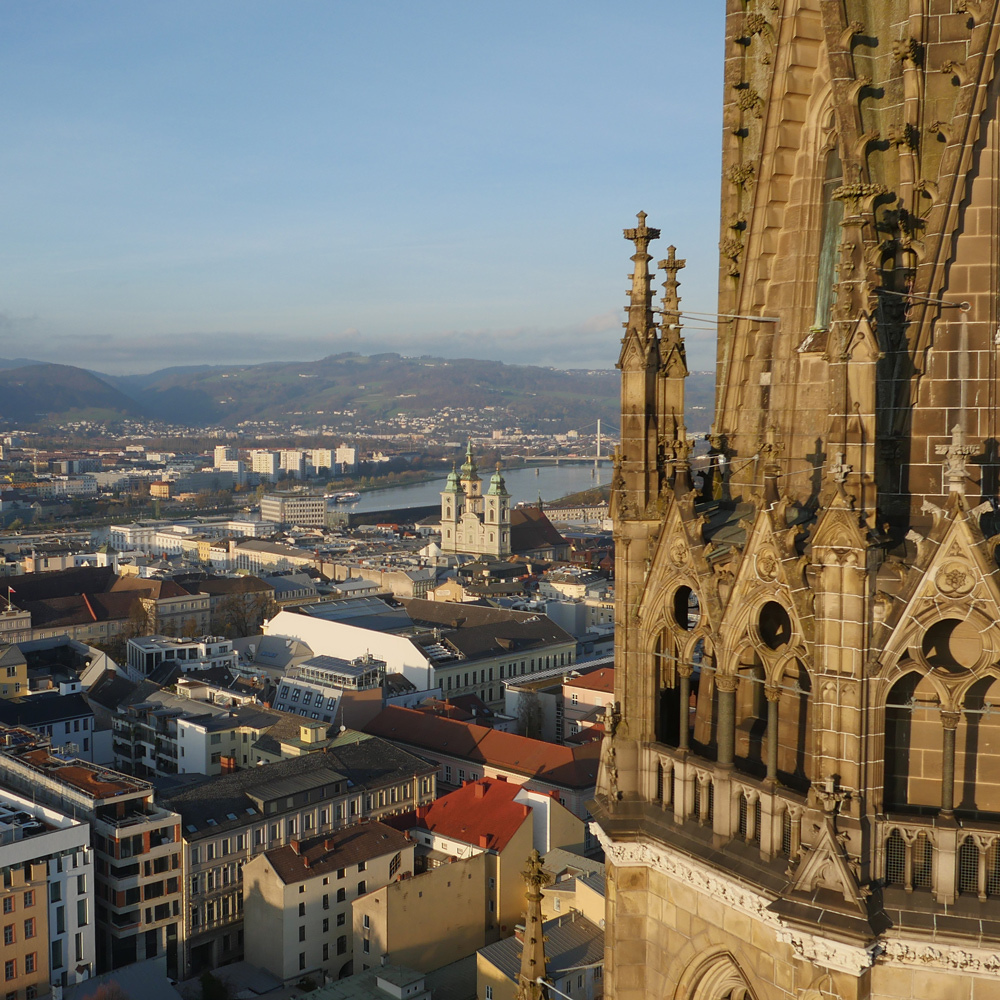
328,845
484,840
480,789
305,861
295,846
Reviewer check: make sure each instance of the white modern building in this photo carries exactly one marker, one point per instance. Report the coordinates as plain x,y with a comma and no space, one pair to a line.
147,653
293,463
33,834
266,464
316,687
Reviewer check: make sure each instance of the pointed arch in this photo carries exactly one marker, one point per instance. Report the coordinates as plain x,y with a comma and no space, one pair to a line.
912,719
795,730
714,975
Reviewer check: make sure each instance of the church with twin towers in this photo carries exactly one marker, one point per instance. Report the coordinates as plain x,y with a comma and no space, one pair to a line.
799,792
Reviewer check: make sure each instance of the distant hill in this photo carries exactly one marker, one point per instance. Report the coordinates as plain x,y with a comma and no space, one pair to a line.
36,393
18,362
314,392
374,387
382,385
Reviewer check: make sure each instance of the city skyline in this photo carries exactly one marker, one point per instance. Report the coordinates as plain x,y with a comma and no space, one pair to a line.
235,184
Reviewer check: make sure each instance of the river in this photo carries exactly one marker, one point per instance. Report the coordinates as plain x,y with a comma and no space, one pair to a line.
551,483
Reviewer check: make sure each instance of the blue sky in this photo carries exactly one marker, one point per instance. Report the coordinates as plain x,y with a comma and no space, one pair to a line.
228,181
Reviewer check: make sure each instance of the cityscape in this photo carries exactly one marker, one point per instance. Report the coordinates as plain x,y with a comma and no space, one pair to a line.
390,612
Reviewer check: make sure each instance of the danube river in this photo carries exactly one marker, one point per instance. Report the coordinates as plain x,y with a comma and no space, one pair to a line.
523,485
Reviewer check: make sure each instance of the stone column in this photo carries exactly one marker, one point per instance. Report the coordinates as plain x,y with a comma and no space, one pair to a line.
684,729
950,721
725,684
772,694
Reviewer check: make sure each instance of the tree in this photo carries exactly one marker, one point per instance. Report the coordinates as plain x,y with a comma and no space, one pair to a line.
529,714
240,615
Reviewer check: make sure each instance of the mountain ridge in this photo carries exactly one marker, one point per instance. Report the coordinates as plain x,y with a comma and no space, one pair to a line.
369,388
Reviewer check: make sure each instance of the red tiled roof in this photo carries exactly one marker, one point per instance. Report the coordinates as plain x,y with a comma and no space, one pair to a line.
570,767
597,680
482,813
591,734
531,529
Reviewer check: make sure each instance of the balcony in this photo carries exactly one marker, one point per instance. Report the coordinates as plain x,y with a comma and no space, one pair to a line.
951,860
729,806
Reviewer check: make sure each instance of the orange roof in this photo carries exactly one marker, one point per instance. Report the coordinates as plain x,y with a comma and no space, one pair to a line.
570,767
482,813
596,680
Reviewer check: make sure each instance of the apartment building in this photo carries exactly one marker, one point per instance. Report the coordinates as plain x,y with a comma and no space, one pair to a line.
13,672
64,716
298,898
464,752
51,915
317,687
293,463
146,654
24,919
321,460
299,509
266,464
574,953
136,846
493,820
228,820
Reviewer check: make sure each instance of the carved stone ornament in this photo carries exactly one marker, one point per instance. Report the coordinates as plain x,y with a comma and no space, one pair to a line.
830,954
766,565
954,579
679,552
942,957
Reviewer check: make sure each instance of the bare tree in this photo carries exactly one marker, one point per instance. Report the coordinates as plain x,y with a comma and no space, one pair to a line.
529,714
240,615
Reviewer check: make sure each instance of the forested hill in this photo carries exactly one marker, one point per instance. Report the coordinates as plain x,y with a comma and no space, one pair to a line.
370,387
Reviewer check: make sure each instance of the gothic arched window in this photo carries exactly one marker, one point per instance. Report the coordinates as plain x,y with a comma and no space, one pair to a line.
833,214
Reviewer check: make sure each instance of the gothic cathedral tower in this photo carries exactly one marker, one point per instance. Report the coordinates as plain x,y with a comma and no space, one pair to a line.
800,786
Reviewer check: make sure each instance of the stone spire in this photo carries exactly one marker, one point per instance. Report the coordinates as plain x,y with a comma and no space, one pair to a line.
533,951
672,372
670,329
641,326
639,361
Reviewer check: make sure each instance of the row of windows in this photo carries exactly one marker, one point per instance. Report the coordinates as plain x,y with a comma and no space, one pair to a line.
10,931
10,904
10,966
462,776
457,681
30,993
273,834
341,950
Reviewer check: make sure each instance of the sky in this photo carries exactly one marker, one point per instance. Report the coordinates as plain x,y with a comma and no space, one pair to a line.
234,181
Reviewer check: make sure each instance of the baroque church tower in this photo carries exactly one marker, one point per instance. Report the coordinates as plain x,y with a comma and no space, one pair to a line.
474,522
799,793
